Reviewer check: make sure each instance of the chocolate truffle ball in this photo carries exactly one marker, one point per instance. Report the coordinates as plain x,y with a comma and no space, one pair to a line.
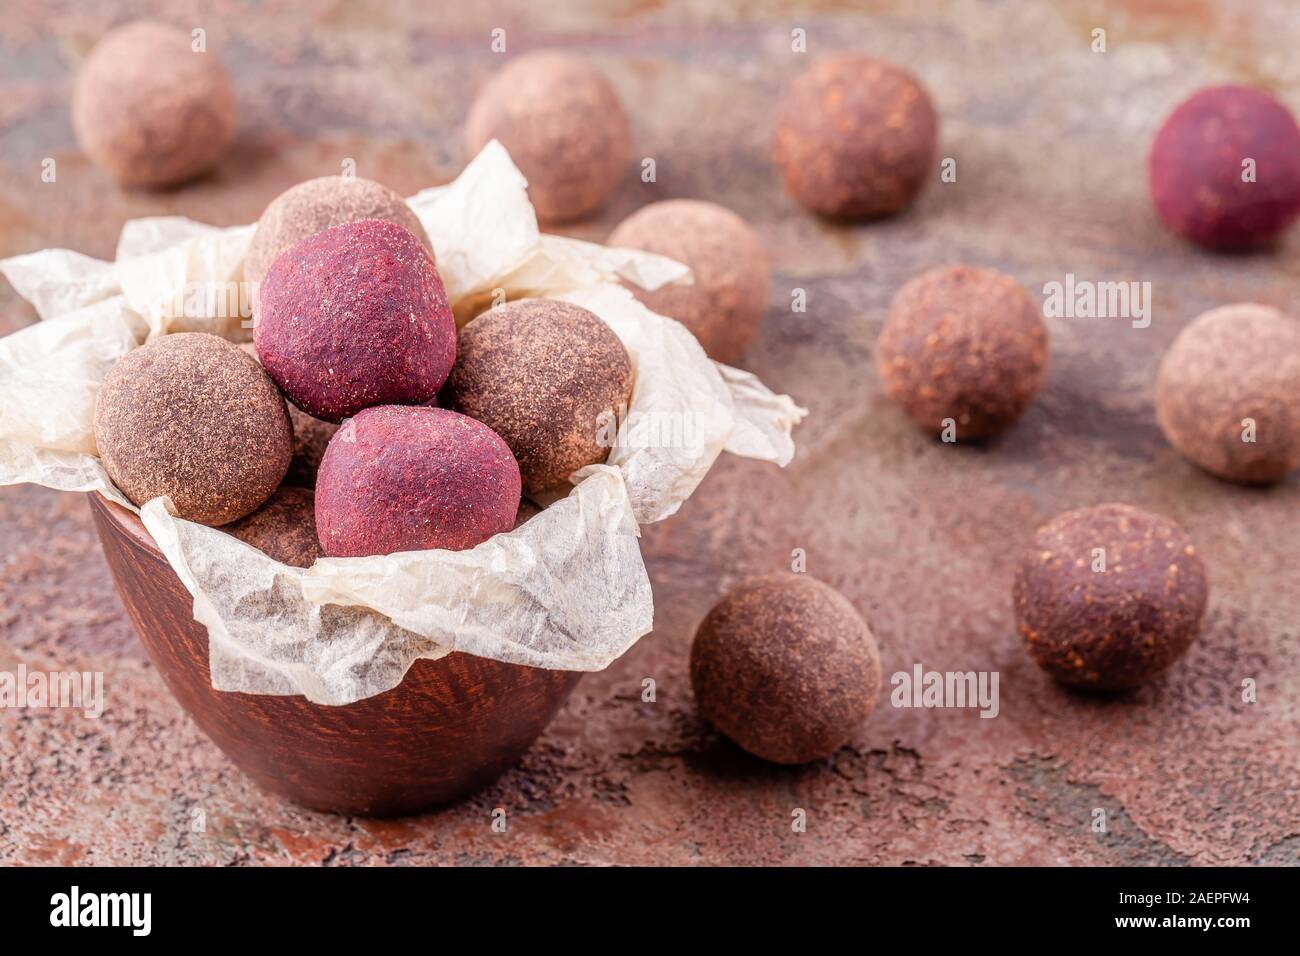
856,138
284,528
150,109
1228,393
1225,168
317,205
564,128
310,438
726,302
525,511
966,344
355,316
546,376
1112,618
784,666
408,478
191,416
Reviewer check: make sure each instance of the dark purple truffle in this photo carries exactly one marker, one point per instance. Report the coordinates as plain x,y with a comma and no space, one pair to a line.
785,667
856,138
1115,628
966,344
355,316
151,109
284,528
191,416
1231,375
546,376
405,478
725,303
1198,168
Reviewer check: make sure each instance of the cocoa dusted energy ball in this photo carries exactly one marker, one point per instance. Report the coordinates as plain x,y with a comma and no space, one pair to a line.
355,316
191,416
856,138
151,109
1228,393
1225,168
965,344
284,528
546,376
784,666
1108,597
409,478
320,204
564,127
725,304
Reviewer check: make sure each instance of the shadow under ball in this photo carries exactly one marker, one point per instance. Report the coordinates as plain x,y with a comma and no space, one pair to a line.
150,109
451,727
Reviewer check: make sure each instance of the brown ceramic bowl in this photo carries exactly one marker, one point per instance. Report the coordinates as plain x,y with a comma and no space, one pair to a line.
452,726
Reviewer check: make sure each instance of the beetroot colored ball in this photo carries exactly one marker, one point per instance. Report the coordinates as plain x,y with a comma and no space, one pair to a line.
408,478
1201,181
355,316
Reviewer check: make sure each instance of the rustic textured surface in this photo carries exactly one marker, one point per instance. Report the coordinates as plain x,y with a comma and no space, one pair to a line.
1051,143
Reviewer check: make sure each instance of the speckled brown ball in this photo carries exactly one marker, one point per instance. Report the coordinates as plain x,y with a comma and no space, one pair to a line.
151,110
965,344
319,204
725,304
856,138
1116,628
191,416
546,376
1231,364
564,127
784,666
526,510
284,528
311,437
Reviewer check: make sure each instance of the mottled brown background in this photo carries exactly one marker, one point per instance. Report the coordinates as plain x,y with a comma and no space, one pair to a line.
1050,139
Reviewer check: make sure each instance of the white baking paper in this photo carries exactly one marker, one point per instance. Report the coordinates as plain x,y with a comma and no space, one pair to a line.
566,590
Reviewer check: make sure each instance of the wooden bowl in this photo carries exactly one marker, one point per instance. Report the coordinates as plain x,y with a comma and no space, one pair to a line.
452,726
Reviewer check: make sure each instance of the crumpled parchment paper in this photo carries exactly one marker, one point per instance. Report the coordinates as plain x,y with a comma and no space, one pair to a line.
566,590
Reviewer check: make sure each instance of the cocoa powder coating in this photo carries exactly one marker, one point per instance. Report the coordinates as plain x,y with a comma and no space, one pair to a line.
1224,168
149,108
725,303
284,528
1228,393
563,126
191,416
311,436
550,378
317,205
856,138
965,344
785,667
409,478
1109,619
355,316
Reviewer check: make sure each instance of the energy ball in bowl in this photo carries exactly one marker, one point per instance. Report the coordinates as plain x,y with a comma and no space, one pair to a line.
964,344
548,377
1225,168
856,138
409,478
725,304
784,666
563,126
355,316
1228,393
191,416
1108,597
320,204
284,528
151,109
